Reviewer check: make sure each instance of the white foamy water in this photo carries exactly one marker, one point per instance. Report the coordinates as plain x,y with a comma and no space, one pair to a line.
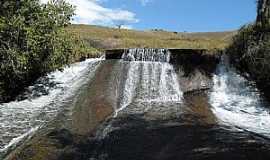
149,79
147,54
20,118
157,83
237,102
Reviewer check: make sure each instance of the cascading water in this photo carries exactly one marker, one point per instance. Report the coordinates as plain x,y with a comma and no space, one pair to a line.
153,55
236,101
21,118
149,78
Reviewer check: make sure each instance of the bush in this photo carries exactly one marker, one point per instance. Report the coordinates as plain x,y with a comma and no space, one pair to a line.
33,41
250,50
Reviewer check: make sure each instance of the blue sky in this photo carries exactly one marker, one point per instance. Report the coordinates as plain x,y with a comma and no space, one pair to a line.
172,15
189,15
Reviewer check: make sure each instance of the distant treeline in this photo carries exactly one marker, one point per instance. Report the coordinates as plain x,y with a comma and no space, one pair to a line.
250,49
33,41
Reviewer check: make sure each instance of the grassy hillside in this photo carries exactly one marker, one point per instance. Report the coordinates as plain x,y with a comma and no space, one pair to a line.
109,38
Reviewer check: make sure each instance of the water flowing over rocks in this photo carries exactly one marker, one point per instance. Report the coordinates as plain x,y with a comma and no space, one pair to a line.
152,55
21,118
146,105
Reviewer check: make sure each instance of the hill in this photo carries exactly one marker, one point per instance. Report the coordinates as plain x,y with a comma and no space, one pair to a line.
110,38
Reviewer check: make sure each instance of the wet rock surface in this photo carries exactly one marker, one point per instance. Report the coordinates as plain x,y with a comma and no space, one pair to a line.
154,140
193,134
107,122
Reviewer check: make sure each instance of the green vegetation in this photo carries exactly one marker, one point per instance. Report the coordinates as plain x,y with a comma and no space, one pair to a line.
110,38
33,41
250,48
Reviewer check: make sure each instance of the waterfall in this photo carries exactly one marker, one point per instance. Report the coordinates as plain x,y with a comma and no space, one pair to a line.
149,78
153,55
236,101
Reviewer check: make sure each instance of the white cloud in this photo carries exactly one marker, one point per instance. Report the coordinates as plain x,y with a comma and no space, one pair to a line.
92,12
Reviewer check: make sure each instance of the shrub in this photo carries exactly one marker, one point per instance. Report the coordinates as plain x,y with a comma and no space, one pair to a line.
33,42
250,50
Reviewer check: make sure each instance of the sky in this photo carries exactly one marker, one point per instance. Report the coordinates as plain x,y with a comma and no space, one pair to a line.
171,15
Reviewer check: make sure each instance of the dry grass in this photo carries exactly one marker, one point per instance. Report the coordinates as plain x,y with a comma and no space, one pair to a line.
110,38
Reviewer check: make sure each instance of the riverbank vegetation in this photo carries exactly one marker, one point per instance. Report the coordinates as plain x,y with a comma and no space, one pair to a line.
250,48
33,41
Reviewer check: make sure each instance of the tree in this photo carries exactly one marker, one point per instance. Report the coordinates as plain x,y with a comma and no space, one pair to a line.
263,13
32,41
120,23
